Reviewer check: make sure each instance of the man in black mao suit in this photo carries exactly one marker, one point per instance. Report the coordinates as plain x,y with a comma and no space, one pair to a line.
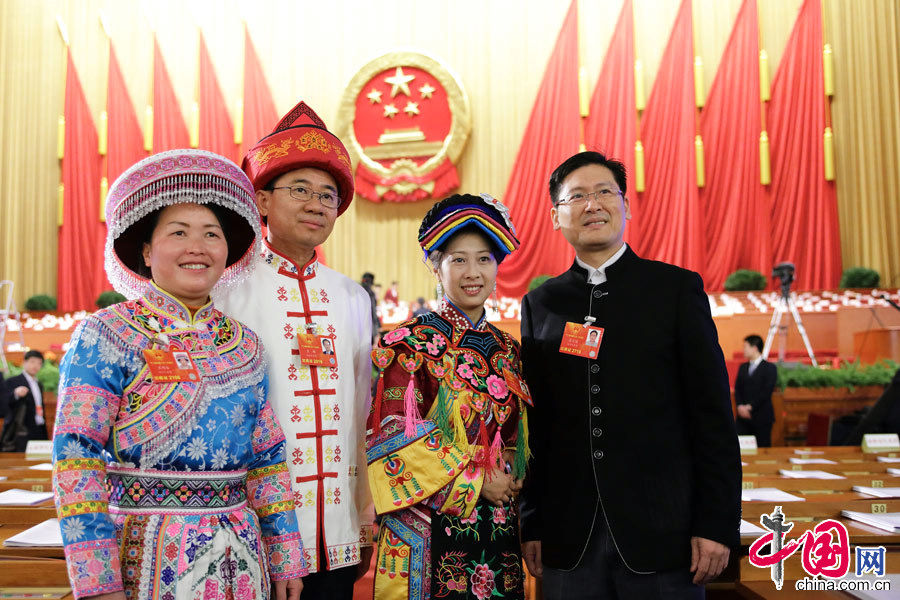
634,490
753,393
25,412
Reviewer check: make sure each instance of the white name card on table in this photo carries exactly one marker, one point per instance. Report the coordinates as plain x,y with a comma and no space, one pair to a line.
43,534
888,492
747,444
881,442
39,449
748,528
888,459
812,461
768,495
17,497
809,474
42,467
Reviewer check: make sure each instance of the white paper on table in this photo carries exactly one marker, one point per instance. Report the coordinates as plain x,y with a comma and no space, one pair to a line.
886,521
893,471
809,452
42,534
809,474
768,495
17,496
887,459
812,461
2,477
42,467
748,528
743,464
888,492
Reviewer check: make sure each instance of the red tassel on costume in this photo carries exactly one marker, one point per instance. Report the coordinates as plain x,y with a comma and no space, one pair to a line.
496,450
410,408
376,411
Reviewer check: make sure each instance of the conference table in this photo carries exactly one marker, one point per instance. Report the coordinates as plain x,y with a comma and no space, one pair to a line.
822,499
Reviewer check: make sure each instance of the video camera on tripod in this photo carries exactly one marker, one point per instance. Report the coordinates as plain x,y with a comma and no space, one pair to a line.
784,272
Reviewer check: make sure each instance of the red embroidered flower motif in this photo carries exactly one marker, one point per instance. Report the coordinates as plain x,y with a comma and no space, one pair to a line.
396,335
496,387
482,580
499,517
472,519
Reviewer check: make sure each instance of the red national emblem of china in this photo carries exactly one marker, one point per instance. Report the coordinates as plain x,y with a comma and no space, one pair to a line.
406,118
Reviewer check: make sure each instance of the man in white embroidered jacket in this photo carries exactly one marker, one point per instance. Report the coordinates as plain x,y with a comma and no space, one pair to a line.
301,173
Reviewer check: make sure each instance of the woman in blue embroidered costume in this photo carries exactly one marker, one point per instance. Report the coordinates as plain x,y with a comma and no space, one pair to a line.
446,441
169,470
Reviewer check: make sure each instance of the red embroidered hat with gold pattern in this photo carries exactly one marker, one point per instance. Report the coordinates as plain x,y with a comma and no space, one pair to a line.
300,140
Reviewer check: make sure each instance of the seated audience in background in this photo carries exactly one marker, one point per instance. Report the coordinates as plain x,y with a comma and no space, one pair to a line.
753,393
24,418
420,308
4,396
368,282
391,296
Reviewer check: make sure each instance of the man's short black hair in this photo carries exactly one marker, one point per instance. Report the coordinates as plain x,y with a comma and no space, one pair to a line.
583,159
33,354
755,340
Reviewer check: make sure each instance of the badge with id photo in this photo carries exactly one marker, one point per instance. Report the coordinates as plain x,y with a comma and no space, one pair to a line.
168,366
517,386
581,340
316,350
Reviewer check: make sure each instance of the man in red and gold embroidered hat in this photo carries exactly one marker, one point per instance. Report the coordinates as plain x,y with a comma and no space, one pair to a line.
301,173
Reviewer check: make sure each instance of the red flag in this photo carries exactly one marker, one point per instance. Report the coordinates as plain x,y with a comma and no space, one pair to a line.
169,130
804,206
668,217
260,115
216,130
611,125
81,237
126,142
736,207
551,136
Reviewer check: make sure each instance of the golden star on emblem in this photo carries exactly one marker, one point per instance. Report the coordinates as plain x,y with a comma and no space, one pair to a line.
390,110
426,90
412,108
399,81
374,96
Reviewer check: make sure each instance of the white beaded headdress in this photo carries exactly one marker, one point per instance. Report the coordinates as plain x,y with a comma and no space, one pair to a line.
176,177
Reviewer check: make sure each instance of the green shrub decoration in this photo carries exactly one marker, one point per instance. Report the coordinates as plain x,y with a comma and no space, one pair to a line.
48,376
848,375
860,277
745,280
108,298
537,281
41,302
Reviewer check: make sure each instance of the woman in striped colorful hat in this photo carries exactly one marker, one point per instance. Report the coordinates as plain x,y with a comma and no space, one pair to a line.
447,444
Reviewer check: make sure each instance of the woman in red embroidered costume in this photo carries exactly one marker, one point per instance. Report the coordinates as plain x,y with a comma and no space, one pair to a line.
447,443
169,470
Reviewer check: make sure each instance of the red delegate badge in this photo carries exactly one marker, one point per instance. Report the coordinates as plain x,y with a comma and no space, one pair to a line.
168,366
517,386
581,340
316,350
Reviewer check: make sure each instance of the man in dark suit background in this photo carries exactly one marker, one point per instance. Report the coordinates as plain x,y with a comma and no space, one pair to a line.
635,486
25,414
753,393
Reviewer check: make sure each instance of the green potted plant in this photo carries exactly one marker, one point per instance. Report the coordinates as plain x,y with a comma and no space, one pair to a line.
40,304
745,280
859,277
538,281
108,298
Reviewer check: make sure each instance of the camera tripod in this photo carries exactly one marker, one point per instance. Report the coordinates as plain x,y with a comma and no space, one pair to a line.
785,304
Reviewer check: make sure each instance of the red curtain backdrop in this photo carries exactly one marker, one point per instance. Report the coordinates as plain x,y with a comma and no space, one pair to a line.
611,125
667,218
804,205
126,142
260,116
551,136
169,129
216,129
735,204
80,274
